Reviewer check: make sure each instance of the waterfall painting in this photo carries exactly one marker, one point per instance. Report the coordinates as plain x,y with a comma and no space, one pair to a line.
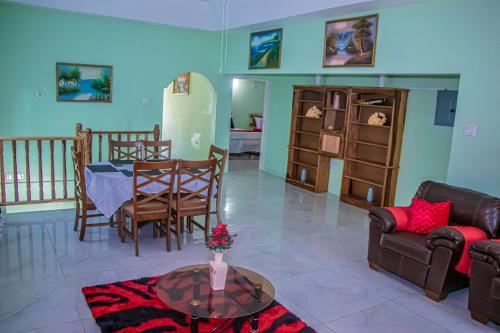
265,49
351,42
83,83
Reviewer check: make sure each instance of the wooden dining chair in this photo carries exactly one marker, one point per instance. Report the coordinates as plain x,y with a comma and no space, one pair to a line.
125,150
220,155
193,195
157,150
83,203
152,198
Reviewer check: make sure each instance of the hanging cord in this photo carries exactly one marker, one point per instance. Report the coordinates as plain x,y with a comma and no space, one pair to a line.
227,29
221,65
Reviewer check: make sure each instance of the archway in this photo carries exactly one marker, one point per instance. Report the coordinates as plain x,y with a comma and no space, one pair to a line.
189,118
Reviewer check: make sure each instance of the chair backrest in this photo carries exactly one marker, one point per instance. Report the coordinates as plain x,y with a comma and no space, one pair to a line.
468,207
125,150
157,150
220,155
195,181
79,174
153,183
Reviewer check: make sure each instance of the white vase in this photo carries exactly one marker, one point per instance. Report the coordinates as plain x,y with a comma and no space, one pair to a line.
218,272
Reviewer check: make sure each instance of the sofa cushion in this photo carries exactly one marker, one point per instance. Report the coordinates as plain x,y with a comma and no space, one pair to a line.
408,244
425,216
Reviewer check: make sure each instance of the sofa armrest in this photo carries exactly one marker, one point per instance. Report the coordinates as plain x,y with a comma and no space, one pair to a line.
383,218
446,237
488,252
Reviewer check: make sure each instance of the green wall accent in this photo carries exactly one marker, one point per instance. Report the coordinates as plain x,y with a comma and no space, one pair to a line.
454,37
188,120
247,98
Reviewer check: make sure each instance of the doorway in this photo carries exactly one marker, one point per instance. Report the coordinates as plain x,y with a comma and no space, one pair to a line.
248,105
189,117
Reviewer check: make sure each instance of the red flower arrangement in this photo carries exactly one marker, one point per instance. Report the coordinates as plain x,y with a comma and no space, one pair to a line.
219,239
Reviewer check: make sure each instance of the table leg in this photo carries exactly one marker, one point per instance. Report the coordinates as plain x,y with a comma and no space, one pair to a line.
254,321
194,324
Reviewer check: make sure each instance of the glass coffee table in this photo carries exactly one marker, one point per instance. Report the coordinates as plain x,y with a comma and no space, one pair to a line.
187,290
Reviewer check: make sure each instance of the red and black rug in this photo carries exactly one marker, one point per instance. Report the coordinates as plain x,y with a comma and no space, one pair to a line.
133,307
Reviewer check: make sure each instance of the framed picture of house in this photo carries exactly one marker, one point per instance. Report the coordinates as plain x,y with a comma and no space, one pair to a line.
351,42
83,83
181,84
265,49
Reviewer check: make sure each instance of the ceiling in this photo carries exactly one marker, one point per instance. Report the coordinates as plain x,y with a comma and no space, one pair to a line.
207,14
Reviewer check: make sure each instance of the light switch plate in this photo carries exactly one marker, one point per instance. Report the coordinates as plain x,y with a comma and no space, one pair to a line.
470,129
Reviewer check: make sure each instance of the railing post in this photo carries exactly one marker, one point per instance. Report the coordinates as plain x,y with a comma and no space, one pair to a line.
156,132
78,128
87,147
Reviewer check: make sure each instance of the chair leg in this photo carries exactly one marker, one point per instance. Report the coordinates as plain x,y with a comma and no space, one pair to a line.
178,232
217,208
183,220
77,215
168,234
207,225
190,224
155,229
84,223
136,237
123,220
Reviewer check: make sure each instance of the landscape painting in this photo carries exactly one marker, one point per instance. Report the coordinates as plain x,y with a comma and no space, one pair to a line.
83,83
265,49
181,84
350,42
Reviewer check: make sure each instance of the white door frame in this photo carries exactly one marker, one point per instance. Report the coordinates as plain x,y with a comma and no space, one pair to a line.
264,114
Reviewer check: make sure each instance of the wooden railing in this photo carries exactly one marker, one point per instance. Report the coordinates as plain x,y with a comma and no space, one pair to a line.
46,177
98,141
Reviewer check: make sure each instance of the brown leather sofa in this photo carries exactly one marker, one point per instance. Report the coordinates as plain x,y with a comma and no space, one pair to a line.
429,260
484,292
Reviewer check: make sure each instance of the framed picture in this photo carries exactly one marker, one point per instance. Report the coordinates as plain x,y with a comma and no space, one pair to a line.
265,49
83,83
351,42
181,84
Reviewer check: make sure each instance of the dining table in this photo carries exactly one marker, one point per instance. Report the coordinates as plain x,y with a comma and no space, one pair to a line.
109,184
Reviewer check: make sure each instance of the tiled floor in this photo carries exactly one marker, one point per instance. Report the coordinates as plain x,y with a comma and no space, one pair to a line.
310,246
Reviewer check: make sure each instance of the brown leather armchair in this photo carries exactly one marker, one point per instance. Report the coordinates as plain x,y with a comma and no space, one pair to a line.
484,292
429,260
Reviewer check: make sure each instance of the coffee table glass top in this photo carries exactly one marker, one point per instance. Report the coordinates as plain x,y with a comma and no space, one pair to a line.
187,290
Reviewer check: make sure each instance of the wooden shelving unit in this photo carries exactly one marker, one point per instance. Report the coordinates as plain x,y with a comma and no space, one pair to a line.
370,152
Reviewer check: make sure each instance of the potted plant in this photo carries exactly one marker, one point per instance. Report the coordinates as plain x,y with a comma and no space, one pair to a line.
219,240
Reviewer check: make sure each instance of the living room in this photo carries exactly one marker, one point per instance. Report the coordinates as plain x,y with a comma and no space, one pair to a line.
327,221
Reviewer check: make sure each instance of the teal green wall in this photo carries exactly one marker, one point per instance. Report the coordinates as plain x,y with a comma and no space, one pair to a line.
432,37
247,98
188,120
145,59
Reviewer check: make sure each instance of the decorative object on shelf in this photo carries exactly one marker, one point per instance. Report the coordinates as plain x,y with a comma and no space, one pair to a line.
336,100
350,42
265,49
377,119
376,101
219,241
330,127
313,112
83,83
370,195
303,175
181,84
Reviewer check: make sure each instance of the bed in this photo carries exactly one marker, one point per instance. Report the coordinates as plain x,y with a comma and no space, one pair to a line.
244,141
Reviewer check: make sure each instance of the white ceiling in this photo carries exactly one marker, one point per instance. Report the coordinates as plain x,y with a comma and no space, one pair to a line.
207,14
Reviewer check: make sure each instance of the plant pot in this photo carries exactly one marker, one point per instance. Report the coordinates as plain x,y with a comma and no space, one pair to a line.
218,272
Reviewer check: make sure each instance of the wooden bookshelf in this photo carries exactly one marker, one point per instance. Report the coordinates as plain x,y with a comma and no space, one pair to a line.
370,152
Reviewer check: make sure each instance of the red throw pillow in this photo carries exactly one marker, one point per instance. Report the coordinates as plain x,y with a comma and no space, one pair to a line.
426,216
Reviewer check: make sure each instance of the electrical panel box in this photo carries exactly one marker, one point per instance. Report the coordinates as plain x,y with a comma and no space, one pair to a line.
446,106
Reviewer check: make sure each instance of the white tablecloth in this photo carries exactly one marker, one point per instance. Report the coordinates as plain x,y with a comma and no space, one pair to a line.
110,190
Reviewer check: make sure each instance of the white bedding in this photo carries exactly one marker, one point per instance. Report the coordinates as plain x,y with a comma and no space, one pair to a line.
244,142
